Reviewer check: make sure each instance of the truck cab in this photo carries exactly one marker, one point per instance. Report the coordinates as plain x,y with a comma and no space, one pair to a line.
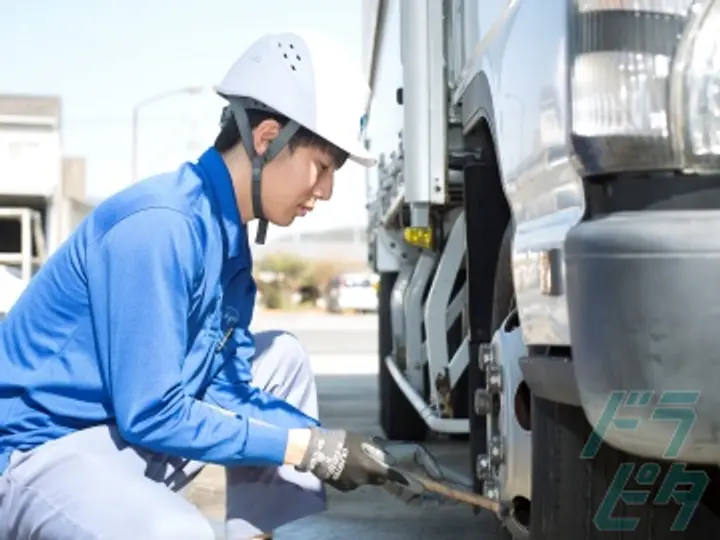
543,222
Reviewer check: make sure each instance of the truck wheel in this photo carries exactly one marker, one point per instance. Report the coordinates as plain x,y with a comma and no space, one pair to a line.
398,418
503,305
568,490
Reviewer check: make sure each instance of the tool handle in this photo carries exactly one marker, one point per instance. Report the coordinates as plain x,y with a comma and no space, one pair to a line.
468,497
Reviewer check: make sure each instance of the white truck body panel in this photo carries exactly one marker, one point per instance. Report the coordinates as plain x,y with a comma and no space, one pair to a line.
545,192
384,65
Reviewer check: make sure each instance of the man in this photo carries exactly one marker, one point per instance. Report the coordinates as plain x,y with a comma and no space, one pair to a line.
127,362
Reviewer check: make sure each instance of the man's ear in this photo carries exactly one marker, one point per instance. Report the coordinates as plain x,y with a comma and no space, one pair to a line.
264,134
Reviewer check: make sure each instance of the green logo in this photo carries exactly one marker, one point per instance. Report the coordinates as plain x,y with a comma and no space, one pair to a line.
683,486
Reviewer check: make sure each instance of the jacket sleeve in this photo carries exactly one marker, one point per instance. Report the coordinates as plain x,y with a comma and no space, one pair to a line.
231,388
141,280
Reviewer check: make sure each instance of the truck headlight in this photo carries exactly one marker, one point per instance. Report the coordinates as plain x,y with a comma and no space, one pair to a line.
645,84
695,91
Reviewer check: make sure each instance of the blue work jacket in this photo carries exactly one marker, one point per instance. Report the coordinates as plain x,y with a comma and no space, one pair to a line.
141,320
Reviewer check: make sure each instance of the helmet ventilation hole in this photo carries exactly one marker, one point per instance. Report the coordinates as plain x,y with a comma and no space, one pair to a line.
286,56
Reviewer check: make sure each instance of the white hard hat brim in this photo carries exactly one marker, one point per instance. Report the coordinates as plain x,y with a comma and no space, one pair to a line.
362,157
356,151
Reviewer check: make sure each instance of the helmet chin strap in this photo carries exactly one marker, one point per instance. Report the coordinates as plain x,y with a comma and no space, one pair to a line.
238,110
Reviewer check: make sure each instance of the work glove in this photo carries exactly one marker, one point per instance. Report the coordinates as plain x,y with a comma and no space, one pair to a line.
345,460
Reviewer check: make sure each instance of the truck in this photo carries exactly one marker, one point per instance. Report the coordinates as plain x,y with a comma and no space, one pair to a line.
42,192
543,221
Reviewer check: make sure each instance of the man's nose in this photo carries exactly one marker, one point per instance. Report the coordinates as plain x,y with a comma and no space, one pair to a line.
324,188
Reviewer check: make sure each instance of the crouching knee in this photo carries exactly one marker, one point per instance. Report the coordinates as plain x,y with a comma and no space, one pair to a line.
285,352
190,526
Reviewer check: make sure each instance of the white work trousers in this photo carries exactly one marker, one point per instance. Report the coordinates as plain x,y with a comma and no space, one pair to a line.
91,485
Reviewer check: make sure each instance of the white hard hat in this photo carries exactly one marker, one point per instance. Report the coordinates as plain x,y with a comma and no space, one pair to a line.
307,79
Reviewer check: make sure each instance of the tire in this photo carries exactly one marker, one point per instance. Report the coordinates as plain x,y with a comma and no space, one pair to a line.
568,490
398,418
504,295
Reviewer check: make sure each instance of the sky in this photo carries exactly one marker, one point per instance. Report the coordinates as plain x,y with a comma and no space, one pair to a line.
104,57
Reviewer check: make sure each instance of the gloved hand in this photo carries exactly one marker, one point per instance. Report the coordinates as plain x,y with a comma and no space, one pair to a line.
345,460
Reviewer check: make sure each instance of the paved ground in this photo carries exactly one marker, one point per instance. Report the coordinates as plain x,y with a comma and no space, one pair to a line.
343,349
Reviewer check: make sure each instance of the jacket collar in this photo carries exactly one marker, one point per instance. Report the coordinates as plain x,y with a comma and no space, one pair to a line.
215,174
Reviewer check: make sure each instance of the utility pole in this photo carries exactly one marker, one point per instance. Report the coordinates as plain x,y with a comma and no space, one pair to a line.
188,90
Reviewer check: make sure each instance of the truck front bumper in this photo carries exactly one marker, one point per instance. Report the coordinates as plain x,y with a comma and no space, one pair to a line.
643,293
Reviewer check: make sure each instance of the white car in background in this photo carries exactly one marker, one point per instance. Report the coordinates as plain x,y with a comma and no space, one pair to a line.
11,287
352,292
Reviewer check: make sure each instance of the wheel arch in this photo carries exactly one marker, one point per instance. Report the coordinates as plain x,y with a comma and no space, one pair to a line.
487,209
487,215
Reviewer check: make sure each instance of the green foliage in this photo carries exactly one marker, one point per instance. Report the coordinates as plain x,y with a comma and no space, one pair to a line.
275,296
290,268
285,274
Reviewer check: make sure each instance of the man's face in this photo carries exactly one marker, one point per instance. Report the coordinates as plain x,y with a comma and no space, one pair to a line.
294,181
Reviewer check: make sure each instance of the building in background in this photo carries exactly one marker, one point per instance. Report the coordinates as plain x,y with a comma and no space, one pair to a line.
42,193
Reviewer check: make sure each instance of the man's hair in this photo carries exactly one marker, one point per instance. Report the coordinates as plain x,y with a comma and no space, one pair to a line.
229,136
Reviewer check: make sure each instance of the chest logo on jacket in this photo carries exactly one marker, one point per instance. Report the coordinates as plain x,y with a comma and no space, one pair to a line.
230,318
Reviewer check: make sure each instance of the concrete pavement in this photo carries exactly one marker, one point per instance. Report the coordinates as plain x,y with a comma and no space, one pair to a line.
344,354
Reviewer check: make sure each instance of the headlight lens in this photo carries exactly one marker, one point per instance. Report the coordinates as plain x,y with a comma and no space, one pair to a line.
619,93
696,91
645,85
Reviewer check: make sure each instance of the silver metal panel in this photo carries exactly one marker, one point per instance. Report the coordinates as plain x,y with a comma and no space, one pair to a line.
413,306
433,421
385,115
425,101
456,307
397,305
370,30
437,302
515,478
438,98
459,362
391,252
454,36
